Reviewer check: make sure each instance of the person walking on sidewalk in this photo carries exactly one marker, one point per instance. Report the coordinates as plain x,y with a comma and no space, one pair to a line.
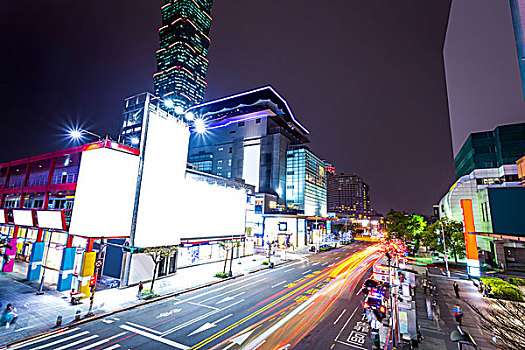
458,314
456,289
141,287
425,286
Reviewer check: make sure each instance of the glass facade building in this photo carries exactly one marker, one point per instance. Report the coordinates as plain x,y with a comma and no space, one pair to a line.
305,182
491,149
181,58
348,194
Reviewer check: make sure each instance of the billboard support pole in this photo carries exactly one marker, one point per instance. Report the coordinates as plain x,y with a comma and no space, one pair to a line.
127,260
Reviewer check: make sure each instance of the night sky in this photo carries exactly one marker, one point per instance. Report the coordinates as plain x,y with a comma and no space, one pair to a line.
365,77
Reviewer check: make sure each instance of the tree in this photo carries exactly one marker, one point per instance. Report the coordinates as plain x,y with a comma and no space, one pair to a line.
505,320
157,254
454,237
405,227
227,246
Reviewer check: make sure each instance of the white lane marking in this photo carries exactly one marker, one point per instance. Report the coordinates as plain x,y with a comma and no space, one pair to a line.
168,313
24,344
208,325
113,347
229,346
197,304
315,264
337,258
342,313
304,273
351,345
346,323
233,290
229,298
278,284
94,344
197,319
61,340
324,264
77,342
288,270
155,337
143,327
108,321
115,318
103,341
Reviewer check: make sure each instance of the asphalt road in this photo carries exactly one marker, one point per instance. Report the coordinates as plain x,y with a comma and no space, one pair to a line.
308,304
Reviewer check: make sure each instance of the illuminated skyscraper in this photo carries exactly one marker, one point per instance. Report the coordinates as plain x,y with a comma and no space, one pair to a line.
181,58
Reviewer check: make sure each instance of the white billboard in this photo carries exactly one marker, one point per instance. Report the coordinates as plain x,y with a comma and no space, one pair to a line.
251,165
50,219
105,194
165,155
23,217
2,216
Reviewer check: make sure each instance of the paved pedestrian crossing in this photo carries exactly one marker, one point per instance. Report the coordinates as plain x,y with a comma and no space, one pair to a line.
70,339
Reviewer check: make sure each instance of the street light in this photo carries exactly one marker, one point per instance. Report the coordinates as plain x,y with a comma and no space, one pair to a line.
444,247
189,116
168,103
200,126
135,140
179,110
77,134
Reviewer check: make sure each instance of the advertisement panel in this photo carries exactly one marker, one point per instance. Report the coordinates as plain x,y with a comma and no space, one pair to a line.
105,194
23,217
2,216
162,189
50,219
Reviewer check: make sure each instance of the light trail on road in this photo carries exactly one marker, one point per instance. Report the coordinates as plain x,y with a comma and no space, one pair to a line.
305,311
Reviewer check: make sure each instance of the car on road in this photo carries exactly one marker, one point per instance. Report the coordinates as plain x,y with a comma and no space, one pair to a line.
375,302
370,285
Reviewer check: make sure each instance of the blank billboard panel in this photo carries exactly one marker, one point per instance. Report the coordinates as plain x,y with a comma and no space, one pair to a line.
23,217
105,194
163,181
2,216
50,219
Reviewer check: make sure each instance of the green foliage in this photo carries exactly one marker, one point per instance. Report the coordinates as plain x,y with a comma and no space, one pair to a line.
405,227
157,254
432,237
266,262
501,289
221,274
520,282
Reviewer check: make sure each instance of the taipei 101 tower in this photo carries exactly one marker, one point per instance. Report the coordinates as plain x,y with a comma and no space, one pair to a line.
181,57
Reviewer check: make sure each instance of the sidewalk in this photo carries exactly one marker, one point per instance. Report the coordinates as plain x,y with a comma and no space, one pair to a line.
38,313
437,322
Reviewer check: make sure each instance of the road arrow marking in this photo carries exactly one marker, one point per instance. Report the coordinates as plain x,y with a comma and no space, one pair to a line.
241,338
208,325
229,298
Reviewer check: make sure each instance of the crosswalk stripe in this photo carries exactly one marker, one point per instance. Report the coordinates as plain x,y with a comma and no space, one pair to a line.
60,340
77,342
24,344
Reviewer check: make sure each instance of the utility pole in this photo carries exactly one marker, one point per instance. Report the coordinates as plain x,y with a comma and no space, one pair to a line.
444,248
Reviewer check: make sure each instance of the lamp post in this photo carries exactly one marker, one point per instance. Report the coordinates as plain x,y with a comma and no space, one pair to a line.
444,247
76,134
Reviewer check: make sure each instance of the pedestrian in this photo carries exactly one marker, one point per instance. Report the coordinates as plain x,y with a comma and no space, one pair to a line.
456,289
71,295
458,314
425,286
141,287
9,316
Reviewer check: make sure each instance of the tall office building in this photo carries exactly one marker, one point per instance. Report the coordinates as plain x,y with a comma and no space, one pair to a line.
348,194
305,182
491,149
181,58
483,53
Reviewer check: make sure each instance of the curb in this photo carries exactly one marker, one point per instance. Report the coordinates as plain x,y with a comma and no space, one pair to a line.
96,317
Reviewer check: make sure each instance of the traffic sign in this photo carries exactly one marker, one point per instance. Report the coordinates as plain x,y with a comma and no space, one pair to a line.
98,263
93,280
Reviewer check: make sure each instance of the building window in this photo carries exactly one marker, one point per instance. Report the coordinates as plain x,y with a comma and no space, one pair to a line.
240,124
258,121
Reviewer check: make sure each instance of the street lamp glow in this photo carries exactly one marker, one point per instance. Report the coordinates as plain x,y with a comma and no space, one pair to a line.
168,103
75,134
135,140
179,110
200,127
190,116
